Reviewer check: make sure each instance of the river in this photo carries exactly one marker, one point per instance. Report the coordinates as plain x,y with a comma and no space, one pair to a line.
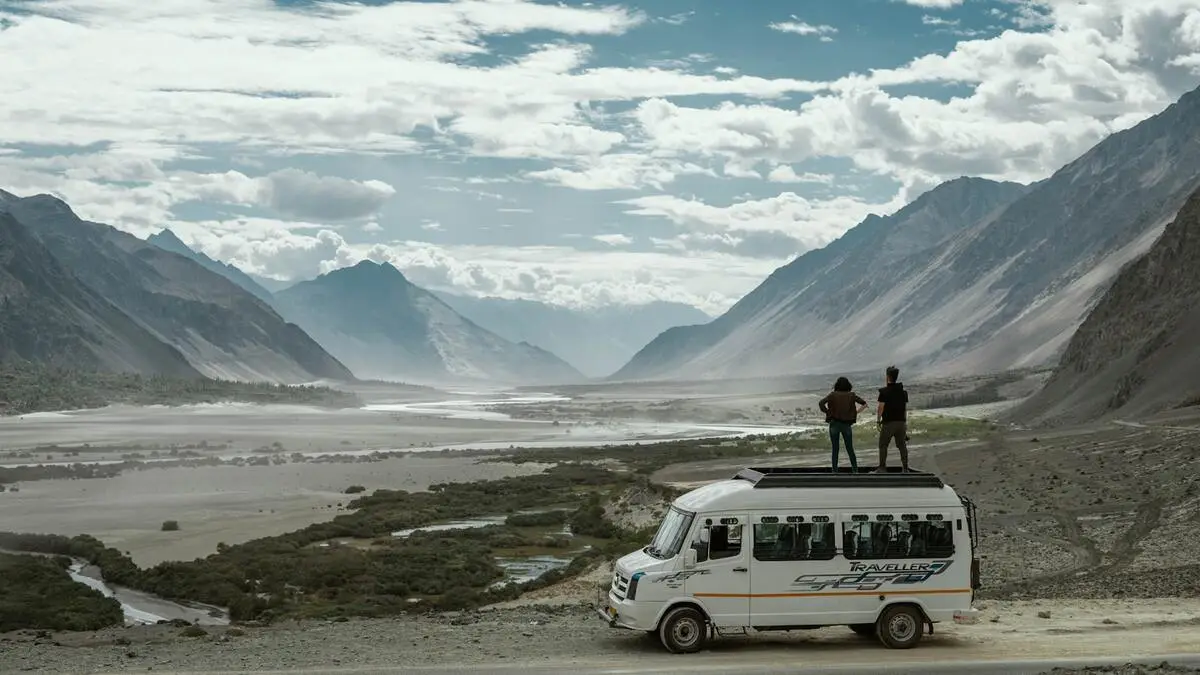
146,608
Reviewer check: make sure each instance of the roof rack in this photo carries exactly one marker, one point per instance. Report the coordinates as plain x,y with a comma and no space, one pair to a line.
827,477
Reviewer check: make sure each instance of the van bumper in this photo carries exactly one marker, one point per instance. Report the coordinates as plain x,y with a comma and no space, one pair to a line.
621,614
966,617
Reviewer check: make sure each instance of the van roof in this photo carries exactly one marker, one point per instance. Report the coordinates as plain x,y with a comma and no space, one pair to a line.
824,488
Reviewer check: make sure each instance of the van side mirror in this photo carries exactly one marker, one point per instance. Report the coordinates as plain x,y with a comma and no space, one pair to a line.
689,558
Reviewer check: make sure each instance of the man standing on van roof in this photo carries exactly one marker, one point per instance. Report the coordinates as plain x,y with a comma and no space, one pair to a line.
892,415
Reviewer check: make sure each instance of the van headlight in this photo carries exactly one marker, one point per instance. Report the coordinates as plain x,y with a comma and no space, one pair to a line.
631,593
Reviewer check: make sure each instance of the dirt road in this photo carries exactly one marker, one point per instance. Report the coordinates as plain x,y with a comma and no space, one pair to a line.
570,638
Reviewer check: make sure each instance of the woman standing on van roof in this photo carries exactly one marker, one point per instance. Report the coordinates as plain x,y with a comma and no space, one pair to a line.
841,414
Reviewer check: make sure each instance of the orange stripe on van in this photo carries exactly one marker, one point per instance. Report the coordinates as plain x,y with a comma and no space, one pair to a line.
943,591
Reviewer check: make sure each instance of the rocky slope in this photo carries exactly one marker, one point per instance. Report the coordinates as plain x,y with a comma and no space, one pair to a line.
1136,353
168,241
805,306
49,316
385,327
1000,286
222,330
595,341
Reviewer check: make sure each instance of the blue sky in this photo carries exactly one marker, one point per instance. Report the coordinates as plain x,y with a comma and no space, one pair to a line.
577,153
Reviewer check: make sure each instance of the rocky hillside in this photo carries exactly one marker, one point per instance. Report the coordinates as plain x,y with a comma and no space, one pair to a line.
48,316
385,327
169,241
799,306
222,330
595,341
1137,352
1004,284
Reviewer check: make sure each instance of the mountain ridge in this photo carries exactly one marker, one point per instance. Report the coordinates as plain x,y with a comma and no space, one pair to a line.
833,273
1135,353
169,241
381,323
49,316
595,341
1004,290
222,330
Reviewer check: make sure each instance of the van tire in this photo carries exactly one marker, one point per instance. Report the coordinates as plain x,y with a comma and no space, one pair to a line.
900,626
683,630
864,629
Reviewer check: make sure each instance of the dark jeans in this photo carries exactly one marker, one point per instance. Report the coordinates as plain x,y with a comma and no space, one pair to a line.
898,431
839,430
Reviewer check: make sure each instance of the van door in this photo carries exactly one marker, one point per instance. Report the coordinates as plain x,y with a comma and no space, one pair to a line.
792,561
721,577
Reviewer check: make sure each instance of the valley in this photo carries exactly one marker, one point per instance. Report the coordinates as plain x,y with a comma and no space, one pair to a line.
386,456
1077,528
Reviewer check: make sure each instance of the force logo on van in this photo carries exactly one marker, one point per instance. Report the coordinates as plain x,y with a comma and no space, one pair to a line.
870,576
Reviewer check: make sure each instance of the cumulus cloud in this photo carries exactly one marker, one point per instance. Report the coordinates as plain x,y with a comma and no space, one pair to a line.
147,92
810,223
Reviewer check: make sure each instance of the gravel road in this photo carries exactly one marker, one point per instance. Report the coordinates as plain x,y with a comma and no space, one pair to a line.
567,635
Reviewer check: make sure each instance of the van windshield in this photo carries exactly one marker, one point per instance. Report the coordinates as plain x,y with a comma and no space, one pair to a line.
669,540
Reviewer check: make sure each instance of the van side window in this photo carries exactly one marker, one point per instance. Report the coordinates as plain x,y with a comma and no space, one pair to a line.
724,541
794,541
875,536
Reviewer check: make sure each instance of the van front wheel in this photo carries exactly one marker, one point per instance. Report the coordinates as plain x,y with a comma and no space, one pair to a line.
899,627
683,630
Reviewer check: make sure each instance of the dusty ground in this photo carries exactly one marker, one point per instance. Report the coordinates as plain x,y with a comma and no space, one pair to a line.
221,503
1086,535
569,634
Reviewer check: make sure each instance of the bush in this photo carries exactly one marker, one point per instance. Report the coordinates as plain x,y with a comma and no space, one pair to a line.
170,525
355,489
38,593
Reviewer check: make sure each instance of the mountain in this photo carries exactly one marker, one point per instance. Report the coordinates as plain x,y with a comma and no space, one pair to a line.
1136,352
222,330
385,327
1004,285
168,241
791,320
595,341
49,316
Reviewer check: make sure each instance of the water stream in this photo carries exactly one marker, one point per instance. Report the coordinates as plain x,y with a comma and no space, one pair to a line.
146,608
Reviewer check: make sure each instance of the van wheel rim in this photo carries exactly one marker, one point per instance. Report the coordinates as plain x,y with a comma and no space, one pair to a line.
902,627
685,632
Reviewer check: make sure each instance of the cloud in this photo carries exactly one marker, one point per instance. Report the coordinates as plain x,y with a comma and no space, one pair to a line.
810,223
933,4
307,196
323,78
623,171
784,173
613,239
127,186
554,274
802,28
139,112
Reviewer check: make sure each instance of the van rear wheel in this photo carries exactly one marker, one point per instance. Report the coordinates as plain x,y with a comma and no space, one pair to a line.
899,627
683,630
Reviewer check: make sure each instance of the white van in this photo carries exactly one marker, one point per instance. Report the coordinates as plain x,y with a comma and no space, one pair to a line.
886,554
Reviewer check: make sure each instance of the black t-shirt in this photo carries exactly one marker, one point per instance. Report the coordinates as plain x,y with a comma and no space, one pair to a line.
895,402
